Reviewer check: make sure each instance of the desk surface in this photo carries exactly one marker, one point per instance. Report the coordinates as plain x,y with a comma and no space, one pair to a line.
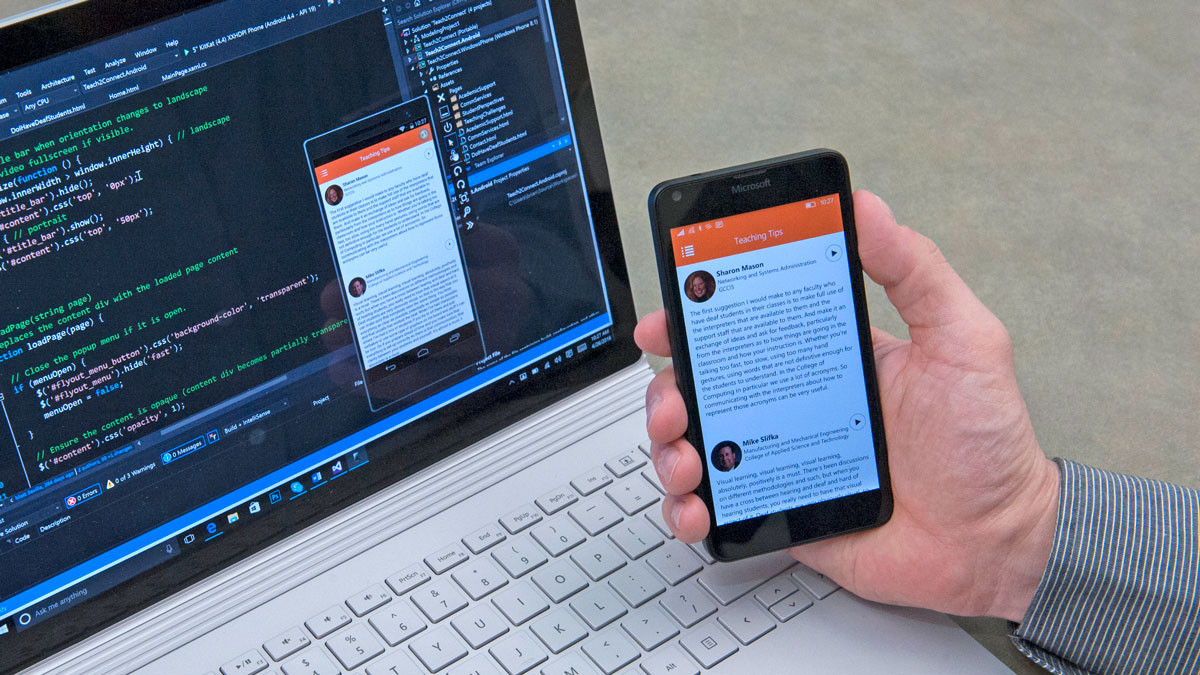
1048,148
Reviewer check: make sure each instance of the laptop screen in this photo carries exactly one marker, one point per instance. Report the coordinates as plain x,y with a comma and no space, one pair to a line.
205,342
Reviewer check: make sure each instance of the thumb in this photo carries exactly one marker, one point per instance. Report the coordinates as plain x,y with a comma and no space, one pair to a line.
832,557
941,312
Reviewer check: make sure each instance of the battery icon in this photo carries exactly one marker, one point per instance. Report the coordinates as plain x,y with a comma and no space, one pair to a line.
810,205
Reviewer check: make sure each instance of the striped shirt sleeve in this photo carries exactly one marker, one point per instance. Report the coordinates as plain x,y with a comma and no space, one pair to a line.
1120,592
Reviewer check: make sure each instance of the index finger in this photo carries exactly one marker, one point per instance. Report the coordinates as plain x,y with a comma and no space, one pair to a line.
651,334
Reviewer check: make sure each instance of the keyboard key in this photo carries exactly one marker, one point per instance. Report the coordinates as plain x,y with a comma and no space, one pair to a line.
644,446
654,516
484,538
775,590
746,620
517,653
596,516
571,664
632,495
556,500
598,559
689,604
626,463
636,584
674,562
479,578
819,585
730,581
328,621
408,579
559,536
650,627
699,549
709,644
480,665
368,599
311,663
598,607
395,663
652,478
446,558
437,648
479,625
247,664
522,518
558,630
611,650
520,603
286,643
519,556
560,580
669,661
635,537
354,646
789,607
439,600
397,624
591,481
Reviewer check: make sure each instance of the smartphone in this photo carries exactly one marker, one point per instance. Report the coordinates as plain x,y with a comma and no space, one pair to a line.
771,344
385,201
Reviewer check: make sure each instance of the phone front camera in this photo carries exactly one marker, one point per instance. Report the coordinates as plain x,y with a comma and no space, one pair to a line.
676,195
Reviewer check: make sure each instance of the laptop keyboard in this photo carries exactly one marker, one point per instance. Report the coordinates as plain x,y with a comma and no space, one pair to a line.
584,580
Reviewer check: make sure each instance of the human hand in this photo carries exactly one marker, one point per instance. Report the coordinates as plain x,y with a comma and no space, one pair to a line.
975,498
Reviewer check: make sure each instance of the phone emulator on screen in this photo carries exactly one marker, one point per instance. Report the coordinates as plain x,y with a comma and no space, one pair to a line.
395,244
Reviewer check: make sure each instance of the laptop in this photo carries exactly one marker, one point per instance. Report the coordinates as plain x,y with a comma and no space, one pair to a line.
258,422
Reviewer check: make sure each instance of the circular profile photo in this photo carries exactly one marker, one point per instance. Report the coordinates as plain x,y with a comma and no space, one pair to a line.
726,456
333,195
699,286
357,287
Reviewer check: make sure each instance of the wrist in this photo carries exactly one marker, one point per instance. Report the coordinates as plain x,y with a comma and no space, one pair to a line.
1027,552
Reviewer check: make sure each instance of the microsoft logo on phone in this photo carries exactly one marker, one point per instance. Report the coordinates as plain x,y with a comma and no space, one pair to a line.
738,189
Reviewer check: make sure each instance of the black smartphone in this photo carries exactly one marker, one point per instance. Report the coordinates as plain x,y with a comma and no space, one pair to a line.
385,201
772,350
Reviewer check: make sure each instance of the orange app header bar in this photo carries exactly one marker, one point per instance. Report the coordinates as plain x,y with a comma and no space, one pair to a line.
756,230
367,156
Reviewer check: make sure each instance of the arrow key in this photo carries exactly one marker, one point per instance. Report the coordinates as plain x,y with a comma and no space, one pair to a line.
789,607
746,620
775,590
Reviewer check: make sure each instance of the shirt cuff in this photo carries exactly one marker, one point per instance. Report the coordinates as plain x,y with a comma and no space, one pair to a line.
1119,594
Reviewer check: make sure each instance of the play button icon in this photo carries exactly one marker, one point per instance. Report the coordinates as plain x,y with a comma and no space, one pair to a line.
833,253
858,422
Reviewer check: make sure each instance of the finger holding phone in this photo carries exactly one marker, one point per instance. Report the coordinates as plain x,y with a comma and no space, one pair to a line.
974,496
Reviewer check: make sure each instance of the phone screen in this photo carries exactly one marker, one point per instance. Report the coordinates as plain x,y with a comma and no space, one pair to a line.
768,310
402,274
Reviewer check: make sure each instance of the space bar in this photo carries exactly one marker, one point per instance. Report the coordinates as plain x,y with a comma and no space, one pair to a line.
730,581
